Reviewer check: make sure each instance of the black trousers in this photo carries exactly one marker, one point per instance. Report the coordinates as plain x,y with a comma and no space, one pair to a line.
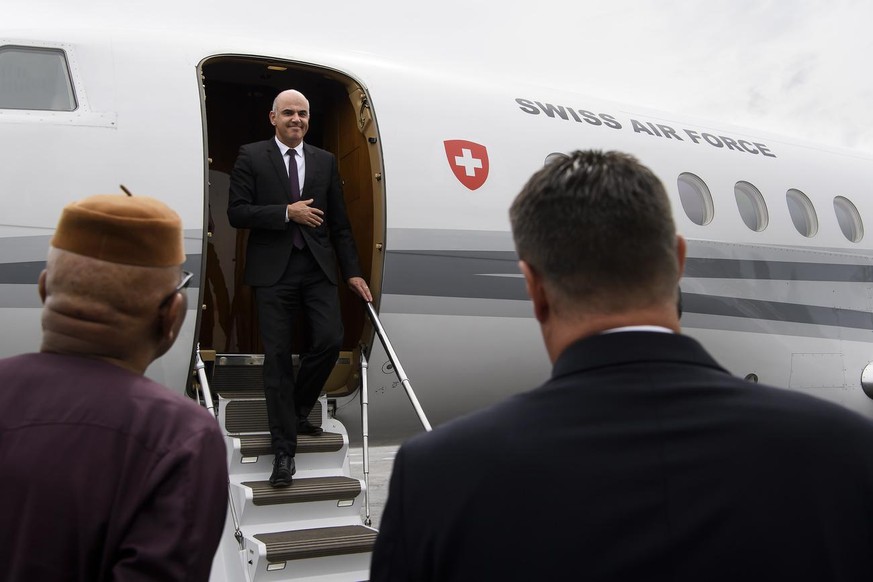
303,290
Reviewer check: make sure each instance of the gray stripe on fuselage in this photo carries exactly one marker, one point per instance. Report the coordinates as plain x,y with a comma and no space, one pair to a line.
704,268
27,297
459,281
702,321
776,311
692,303
492,274
21,273
413,239
18,283
484,308
455,273
454,306
28,273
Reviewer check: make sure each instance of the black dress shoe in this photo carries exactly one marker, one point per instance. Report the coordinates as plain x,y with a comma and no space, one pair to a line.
306,427
283,470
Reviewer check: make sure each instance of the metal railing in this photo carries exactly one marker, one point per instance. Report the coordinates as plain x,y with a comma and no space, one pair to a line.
200,367
398,369
365,401
365,436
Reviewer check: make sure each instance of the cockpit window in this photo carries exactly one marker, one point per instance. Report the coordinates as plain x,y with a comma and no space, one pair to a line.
35,79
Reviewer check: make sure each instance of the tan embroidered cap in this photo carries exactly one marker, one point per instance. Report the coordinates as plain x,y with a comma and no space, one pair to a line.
130,230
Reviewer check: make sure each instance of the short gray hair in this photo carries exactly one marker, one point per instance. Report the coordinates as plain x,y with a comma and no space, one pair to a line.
599,229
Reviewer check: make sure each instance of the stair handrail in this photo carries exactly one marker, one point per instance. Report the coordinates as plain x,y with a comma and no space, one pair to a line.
365,436
398,369
200,367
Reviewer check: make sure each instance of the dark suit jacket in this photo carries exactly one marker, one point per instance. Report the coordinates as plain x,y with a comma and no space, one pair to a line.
640,459
259,194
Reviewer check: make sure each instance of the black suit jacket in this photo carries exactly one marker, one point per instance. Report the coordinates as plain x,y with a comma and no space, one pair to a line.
640,459
259,195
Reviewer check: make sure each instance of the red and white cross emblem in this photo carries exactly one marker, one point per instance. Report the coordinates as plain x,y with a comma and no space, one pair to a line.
469,162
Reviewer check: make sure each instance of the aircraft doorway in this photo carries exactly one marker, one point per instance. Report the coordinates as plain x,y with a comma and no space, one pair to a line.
238,94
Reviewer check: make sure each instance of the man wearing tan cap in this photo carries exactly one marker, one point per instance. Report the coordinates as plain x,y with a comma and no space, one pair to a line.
107,475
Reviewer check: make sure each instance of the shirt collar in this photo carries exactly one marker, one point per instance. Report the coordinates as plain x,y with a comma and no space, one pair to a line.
283,149
656,328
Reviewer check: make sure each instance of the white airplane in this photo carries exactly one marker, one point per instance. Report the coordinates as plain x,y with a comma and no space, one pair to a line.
779,279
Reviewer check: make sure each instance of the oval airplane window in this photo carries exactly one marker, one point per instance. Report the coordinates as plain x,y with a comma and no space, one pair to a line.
750,203
696,199
849,219
802,213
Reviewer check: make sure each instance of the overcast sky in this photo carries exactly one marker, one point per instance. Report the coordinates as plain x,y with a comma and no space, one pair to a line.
799,68
802,68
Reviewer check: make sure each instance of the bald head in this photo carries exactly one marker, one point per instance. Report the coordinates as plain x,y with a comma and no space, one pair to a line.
290,117
289,95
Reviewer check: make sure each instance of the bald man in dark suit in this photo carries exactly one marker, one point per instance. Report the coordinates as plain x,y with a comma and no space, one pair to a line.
289,194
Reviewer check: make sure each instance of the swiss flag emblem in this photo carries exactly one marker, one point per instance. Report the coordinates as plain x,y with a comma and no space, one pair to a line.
469,162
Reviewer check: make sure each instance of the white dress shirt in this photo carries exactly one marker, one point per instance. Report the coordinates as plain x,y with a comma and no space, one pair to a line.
656,328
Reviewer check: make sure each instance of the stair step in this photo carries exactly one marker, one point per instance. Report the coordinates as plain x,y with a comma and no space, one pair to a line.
243,394
305,490
257,445
238,372
316,543
310,530
250,415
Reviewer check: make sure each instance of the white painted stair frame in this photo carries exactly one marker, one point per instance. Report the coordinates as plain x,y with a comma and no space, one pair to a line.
250,564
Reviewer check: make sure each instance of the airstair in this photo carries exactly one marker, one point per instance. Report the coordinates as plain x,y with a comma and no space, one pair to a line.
313,529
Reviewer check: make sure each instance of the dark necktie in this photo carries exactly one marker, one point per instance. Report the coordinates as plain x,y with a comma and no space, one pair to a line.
296,235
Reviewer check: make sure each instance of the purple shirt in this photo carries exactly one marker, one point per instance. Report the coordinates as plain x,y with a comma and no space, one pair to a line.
105,475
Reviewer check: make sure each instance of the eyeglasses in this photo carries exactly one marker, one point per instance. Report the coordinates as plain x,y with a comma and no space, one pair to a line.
186,280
